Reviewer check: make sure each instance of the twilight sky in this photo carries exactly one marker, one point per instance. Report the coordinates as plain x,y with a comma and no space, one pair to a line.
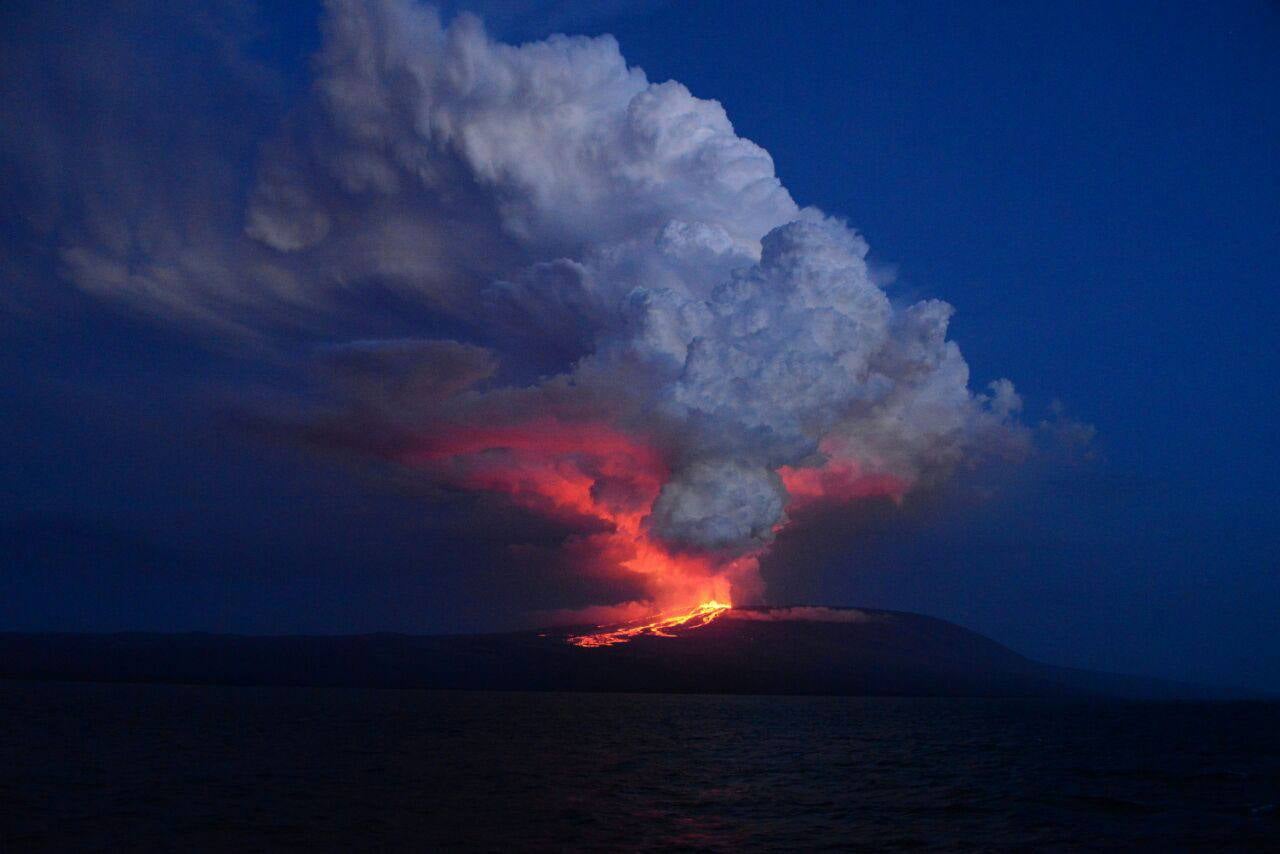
264,287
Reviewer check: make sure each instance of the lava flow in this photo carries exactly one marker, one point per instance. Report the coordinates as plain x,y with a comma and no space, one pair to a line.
659,627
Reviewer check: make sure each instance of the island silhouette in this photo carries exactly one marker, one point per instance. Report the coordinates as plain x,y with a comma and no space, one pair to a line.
753,650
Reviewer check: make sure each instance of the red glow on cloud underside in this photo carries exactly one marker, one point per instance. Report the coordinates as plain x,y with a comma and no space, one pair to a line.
838,481
597,475
841,479
585,471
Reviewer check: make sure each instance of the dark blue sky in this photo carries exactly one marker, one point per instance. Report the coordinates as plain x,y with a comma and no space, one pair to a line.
1095,187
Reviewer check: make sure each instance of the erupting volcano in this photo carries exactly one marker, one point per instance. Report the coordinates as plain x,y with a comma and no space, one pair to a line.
656,347
606,482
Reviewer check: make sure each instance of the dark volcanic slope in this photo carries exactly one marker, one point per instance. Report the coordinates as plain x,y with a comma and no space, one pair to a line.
867,653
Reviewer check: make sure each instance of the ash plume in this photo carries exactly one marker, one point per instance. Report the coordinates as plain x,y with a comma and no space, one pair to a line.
648,337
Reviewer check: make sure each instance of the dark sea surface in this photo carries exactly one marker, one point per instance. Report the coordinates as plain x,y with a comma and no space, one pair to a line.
154,767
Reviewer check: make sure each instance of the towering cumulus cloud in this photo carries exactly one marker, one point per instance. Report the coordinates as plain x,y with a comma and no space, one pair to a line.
648,338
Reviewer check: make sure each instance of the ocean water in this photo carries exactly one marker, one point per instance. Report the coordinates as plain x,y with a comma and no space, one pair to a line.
180,768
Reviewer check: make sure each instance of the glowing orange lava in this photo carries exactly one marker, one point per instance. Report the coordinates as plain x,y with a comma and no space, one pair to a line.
659,627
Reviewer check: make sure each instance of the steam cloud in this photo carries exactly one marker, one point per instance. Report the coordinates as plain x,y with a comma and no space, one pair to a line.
648,335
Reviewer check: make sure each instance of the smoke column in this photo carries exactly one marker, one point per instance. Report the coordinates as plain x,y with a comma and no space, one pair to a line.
651,340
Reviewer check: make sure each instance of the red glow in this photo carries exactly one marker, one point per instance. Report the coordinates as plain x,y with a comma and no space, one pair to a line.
841,479
583,471
590,470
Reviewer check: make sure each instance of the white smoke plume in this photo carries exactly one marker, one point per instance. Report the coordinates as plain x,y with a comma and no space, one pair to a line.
611,251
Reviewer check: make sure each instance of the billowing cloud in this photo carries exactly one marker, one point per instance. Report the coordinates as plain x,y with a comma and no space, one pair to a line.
627,320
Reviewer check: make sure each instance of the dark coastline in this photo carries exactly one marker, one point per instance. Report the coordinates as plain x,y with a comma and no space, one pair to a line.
886,654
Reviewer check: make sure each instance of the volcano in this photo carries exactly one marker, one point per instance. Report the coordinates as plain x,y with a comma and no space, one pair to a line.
795,650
